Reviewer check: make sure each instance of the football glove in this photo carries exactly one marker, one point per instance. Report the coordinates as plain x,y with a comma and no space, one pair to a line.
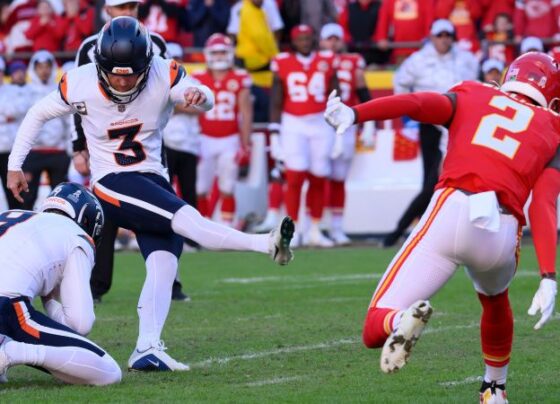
544,301
338,115
276,151
338,146
367,135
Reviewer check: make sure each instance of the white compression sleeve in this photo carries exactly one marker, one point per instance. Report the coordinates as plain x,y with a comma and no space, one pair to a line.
70,364
189,223
155,298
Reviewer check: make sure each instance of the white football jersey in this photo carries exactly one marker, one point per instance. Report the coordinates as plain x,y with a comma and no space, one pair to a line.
120,137
34,248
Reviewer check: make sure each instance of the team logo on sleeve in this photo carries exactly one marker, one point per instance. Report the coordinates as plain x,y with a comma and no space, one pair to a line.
80,107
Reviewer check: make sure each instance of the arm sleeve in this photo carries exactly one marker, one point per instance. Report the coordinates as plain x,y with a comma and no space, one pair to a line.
543,218
76,303
50,107
424,107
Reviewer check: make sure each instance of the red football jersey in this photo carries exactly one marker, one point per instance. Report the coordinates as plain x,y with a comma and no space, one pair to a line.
223,119
498,143
305,85
346,73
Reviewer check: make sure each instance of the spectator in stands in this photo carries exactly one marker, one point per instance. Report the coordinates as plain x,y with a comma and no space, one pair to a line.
46,28
314,13
165,17
408,20
12,110
77,23
16,20
531,44
436,67
256,46
540,18
464,15
18,72
359,21
271,12
492,70
501,31
492,8
50,150
208,17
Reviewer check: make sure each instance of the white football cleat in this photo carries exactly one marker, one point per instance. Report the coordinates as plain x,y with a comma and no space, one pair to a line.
398,346
339,237
492,393
280,239
155,359
4,361
315,238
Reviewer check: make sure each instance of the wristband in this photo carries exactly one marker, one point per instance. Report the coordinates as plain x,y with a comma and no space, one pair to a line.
274,127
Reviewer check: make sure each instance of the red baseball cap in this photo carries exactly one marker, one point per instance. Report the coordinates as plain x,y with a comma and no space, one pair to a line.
300,30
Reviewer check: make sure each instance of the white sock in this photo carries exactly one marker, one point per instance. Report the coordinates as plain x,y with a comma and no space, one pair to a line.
336,222
499,375
70,364
189,223
155,298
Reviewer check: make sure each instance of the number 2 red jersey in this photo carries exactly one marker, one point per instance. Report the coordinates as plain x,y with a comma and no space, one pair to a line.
346,73
498,143
223,119
305,80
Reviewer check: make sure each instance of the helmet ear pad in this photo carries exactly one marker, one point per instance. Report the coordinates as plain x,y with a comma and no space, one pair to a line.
123,47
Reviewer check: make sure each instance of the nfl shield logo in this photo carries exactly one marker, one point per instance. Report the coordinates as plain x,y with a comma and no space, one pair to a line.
121,108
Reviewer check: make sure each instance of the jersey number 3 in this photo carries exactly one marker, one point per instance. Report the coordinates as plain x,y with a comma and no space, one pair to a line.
486,132
128,143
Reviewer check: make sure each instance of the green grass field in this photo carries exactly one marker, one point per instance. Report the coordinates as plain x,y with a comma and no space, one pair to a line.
256,332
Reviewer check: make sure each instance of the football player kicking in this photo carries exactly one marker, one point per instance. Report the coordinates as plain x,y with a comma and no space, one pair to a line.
502,143
125,98
50,254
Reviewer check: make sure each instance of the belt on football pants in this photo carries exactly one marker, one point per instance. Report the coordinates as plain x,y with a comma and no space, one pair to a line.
501,208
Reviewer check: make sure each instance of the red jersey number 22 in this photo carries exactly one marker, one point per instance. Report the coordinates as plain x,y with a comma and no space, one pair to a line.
486,132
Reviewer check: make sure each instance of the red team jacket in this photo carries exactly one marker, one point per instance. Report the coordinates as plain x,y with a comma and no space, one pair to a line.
305,86
223,119
497,143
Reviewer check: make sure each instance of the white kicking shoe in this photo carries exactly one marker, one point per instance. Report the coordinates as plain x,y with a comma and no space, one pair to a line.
339,237
280,239
315,238
492,393
398,346
155,359
4,362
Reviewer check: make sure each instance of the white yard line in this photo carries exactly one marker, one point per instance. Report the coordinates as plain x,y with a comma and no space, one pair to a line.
275,380
298,279
302,348
468,380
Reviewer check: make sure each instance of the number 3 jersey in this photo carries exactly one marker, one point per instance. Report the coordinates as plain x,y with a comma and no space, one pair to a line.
34,248
305,80
223,119
498,143
120,137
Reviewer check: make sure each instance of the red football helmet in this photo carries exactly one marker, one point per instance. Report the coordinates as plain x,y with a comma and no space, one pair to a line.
218,52
535,75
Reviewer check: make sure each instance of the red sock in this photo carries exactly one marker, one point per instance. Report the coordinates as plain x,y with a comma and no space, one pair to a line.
228,208
275,191
378,326
202,205
337,196
316,195
294,183
496,329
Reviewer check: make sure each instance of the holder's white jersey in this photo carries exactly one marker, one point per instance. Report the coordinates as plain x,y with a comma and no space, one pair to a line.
34,249
120,137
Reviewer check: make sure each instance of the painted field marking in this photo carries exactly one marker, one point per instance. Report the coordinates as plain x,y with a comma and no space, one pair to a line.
275,380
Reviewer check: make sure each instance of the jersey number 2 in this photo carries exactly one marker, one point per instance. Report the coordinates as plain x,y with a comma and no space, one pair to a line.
128,143
489,124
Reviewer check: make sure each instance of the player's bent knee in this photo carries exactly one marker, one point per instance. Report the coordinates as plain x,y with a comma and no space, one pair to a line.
112,372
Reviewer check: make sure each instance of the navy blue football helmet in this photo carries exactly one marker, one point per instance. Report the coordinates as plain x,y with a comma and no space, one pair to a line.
79,204
123,47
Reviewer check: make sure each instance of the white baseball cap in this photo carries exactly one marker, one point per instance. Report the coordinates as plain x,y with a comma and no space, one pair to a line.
492,64
531,43
332,29
113,3
442,25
